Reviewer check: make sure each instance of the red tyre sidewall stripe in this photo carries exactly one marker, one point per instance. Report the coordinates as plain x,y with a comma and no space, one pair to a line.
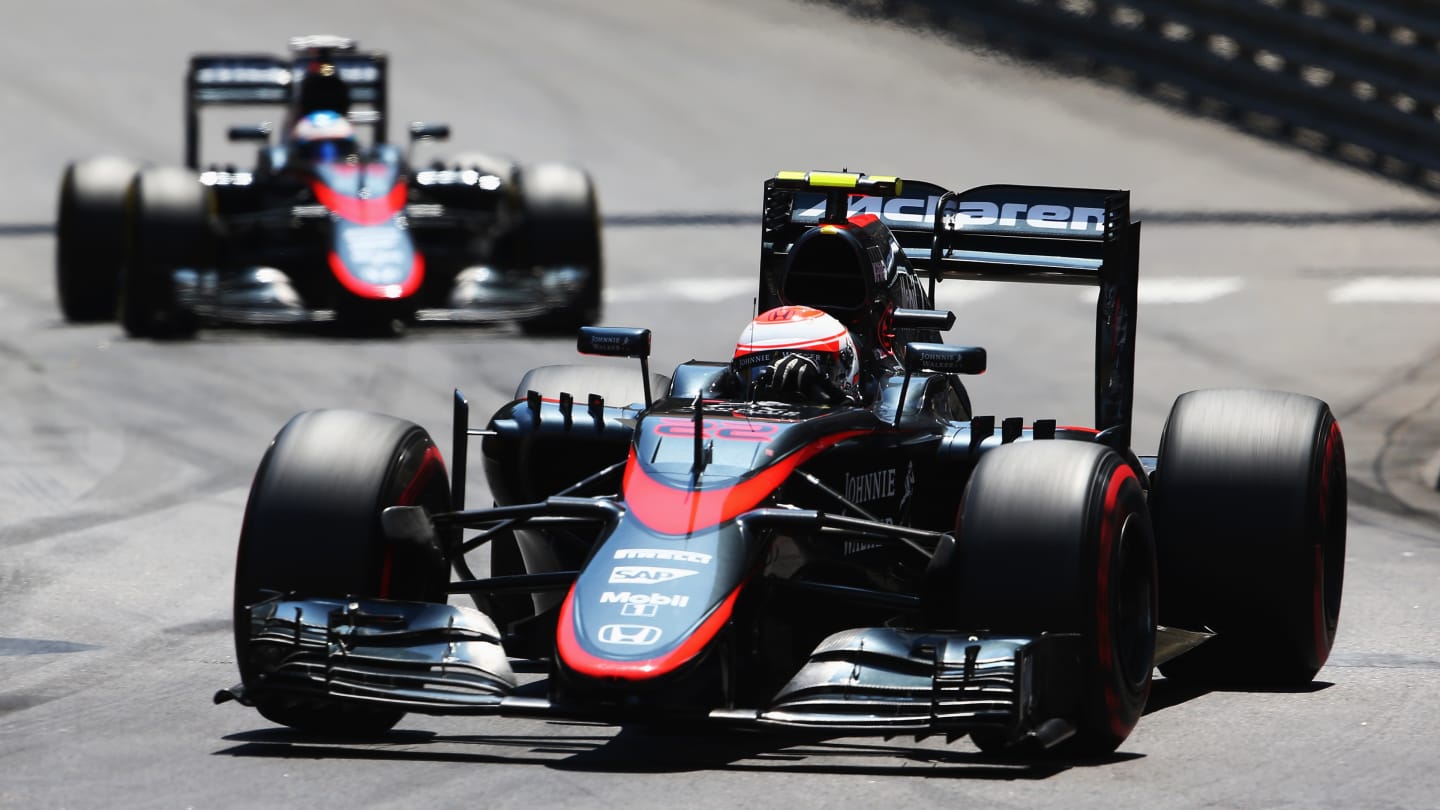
429,464
1104,632
1321,622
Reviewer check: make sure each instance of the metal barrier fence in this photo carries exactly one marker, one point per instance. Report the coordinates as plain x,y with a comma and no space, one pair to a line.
1358,80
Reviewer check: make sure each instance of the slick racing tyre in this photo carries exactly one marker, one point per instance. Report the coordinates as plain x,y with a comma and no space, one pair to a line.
1054,537
170,227
562,229
90,237
312,527
1249,501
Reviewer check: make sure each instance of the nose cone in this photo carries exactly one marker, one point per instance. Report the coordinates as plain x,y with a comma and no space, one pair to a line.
649,603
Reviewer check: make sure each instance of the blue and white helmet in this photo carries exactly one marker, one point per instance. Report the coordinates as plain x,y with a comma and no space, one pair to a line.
324,135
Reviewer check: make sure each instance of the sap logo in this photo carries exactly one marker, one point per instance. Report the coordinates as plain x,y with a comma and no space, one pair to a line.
869,486
646,574
634,635
668,554
973,214
628,598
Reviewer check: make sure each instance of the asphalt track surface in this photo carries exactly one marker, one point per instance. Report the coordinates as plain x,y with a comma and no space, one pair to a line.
126,463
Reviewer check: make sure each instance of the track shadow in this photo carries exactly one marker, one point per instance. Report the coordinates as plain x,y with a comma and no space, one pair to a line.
651,750
25,229
1168,692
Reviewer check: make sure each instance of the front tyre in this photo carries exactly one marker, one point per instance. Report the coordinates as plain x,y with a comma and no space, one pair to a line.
1250,508
312,527
1054,537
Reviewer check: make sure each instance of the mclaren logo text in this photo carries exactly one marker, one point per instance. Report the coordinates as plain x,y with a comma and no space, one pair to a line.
1049,217
646,574
911,212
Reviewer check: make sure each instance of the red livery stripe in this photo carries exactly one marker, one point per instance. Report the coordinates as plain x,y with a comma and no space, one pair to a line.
361,210
365,289
676,510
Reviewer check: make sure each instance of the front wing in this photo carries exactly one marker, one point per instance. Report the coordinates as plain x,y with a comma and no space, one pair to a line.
446,659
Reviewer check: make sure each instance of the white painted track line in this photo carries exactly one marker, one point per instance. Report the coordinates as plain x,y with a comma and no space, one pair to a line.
1198,290
1388,290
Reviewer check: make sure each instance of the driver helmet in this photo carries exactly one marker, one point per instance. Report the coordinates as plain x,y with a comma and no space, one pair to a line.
802,331
325,135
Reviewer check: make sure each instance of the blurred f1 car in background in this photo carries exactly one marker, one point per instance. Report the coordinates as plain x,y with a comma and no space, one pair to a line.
883,562
325,225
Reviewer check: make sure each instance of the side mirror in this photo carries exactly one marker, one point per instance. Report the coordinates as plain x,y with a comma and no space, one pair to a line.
937,319
250,132
421,131
944,357
614,341
938,357
618,341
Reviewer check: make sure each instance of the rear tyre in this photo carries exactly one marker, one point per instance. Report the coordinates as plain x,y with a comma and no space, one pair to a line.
90,237
312,527
1054,537
562,229
1249,502
170,227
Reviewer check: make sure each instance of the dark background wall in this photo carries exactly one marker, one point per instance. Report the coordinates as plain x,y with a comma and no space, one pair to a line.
1354,80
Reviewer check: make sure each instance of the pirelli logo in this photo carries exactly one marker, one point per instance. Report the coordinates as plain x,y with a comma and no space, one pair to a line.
665,554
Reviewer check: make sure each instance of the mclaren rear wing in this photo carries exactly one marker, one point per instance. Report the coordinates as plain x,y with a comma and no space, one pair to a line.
264,79
1041,234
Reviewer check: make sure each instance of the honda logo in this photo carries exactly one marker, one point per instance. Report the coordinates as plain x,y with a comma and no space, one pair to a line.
635,635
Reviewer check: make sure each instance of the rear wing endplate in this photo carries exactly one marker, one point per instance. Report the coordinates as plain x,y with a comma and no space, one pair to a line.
263,79
1037,234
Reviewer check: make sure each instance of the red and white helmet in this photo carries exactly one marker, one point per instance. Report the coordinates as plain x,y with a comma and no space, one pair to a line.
800,330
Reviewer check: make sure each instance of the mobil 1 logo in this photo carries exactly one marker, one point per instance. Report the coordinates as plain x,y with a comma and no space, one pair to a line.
642,604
